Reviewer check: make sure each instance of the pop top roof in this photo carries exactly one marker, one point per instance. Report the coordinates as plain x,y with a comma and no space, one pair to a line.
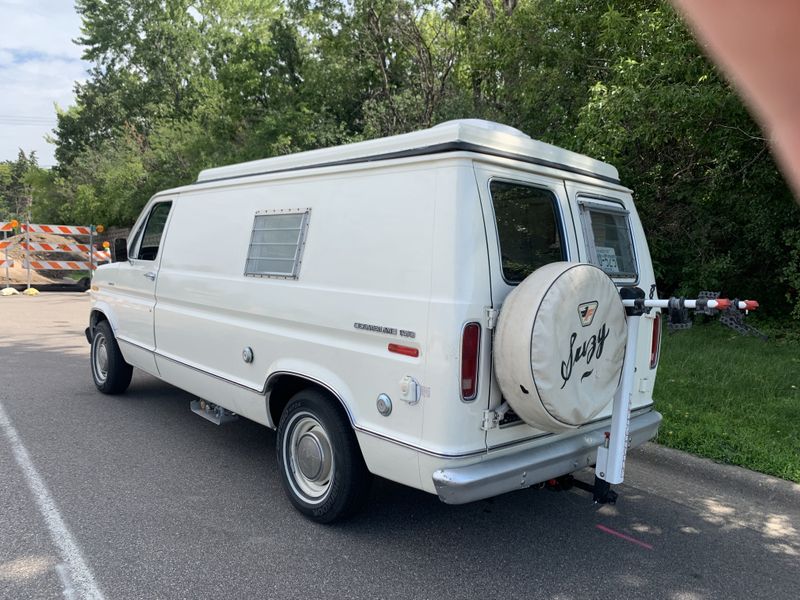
473,135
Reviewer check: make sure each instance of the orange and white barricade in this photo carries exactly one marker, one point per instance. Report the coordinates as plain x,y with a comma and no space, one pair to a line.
89,251
95,255
59,265
5,262
57,229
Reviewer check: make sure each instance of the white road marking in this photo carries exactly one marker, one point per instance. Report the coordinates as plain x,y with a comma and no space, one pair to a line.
66,583
75,569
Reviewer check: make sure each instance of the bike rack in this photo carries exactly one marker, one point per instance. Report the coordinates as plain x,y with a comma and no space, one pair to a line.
610,464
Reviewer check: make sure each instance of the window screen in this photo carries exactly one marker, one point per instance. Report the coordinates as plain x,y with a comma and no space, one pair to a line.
153,230
608,234
527,223
276,244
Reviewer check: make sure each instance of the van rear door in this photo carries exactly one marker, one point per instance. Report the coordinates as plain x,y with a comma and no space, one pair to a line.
611,237
528,225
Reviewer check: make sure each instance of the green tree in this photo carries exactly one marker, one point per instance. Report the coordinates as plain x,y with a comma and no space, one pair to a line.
15,194
179,85
711,198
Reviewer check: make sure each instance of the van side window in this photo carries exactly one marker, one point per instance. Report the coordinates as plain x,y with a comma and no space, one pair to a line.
276,244
153,230
528,227
608,238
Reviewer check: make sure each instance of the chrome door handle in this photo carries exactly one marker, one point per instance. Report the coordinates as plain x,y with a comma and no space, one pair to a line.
150,275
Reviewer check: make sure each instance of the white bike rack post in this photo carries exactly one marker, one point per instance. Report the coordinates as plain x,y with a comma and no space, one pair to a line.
610,464
611,455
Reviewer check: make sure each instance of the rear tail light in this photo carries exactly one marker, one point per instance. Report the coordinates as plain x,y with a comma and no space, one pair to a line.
470,348
655,346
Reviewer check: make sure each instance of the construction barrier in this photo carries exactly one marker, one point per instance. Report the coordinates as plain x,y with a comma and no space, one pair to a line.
5,263
57,229
95,255
58,265
98,255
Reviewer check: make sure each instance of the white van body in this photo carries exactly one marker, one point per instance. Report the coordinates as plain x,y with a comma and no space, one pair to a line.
399,251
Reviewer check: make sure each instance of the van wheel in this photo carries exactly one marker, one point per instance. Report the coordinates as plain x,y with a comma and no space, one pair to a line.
321,465
111,374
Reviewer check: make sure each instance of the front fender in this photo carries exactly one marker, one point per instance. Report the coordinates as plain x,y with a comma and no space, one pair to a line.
101,310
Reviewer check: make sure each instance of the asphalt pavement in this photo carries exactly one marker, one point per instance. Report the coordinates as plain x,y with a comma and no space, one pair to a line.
136,497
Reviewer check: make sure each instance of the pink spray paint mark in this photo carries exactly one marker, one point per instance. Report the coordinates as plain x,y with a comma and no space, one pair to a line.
627,538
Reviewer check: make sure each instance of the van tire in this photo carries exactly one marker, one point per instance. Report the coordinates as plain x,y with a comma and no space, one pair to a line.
110,372
321,466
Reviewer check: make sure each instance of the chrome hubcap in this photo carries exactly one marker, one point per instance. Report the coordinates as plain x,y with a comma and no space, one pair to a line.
313,456
101,358
309,458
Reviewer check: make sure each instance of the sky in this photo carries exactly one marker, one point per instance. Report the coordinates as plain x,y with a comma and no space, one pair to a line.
39,66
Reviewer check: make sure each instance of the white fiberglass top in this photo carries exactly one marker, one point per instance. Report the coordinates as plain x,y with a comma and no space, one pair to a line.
464,134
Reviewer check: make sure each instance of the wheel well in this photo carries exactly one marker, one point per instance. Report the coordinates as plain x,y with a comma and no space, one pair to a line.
282,387
96,318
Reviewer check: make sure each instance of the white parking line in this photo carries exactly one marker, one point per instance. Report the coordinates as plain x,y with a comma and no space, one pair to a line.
63,575
85,587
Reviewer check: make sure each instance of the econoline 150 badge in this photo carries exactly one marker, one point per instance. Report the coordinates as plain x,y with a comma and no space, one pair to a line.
586,312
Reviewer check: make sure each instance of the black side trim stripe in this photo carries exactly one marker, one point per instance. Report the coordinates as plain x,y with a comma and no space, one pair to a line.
425,151
209,373
347,410
419,449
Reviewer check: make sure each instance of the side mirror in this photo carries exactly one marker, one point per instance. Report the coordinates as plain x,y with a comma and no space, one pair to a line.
120,250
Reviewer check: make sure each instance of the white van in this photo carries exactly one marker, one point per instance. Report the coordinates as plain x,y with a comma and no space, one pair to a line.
353,299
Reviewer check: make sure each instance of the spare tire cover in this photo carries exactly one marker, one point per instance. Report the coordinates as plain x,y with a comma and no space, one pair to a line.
559,345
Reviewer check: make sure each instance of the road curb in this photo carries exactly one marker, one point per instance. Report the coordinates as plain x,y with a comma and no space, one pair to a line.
718,474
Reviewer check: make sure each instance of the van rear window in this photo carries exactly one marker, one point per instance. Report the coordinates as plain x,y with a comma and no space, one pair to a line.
608,238
528,228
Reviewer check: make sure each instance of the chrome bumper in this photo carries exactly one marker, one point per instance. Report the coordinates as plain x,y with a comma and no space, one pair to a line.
496,476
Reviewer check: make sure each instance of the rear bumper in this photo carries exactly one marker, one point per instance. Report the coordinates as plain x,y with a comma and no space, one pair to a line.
496,476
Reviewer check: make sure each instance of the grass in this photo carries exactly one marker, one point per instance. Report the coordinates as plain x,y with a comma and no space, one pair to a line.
77,275
731,398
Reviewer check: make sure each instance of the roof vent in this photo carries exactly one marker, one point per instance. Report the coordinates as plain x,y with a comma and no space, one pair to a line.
483,124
